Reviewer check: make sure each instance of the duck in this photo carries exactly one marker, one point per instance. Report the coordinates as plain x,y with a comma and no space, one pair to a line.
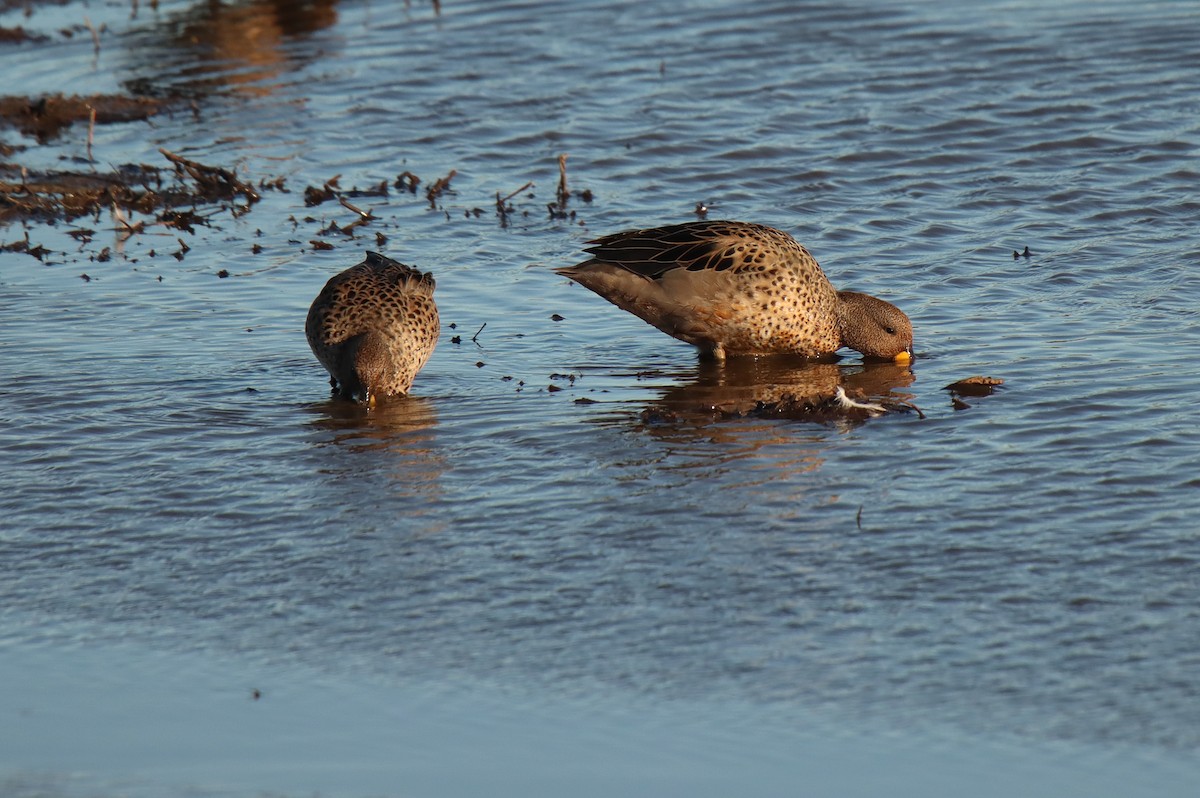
373,327
737,288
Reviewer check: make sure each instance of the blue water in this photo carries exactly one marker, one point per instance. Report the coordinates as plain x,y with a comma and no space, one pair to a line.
187,517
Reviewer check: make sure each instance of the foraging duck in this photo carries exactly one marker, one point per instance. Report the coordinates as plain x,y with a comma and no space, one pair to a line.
736,288
373,327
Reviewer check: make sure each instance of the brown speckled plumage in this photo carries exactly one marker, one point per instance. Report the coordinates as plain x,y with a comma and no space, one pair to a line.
373,327
735,288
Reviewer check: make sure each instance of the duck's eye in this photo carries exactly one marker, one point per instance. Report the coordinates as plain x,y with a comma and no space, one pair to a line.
890,330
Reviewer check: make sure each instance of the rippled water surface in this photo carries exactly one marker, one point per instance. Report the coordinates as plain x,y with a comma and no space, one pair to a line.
535,543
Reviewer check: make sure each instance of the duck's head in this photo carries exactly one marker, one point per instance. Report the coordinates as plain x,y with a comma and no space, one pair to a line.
873,327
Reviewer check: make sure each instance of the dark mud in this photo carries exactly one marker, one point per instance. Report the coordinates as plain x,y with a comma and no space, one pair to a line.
19,34
170,194
45,118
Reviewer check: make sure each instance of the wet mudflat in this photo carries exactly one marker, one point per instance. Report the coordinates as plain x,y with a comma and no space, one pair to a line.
575,538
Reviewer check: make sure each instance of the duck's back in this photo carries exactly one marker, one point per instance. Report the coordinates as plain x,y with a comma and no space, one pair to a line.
376,324
727,287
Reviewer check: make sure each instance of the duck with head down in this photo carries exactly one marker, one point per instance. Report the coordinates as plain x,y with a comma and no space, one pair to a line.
736,288
373,327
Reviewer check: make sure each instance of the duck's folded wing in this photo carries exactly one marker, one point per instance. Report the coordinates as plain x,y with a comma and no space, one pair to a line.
696,246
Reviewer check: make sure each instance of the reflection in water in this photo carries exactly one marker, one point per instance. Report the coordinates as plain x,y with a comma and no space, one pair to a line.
686,416
394,440
238,46
766,452
743,386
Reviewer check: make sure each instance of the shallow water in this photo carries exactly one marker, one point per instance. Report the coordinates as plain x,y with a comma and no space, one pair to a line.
1011,582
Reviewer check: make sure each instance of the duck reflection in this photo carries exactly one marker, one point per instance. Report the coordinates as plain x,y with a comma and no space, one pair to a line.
759,391
782,387
240,46
396,437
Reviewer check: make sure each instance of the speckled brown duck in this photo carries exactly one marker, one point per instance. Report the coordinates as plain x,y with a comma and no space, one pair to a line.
373,327
735,288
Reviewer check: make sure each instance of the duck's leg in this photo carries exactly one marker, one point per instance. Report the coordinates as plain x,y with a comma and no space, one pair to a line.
712,351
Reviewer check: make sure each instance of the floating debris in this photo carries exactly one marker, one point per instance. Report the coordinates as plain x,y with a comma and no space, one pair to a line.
181,220
798,406
407,181
975,386
850,404
839,405
503,209
315,196
330,190
440,185
213,181
23,245
971,386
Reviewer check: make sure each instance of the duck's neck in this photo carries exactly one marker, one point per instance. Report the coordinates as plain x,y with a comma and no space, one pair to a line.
851,306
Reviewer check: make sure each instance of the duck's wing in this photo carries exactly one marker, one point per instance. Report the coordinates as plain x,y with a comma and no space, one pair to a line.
695,246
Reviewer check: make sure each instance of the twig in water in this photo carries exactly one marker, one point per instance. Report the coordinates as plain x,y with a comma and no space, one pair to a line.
562,194
477,332
364,215
502,203
95,36
910,404
858,518
91,132
515,193
126,230
501,211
